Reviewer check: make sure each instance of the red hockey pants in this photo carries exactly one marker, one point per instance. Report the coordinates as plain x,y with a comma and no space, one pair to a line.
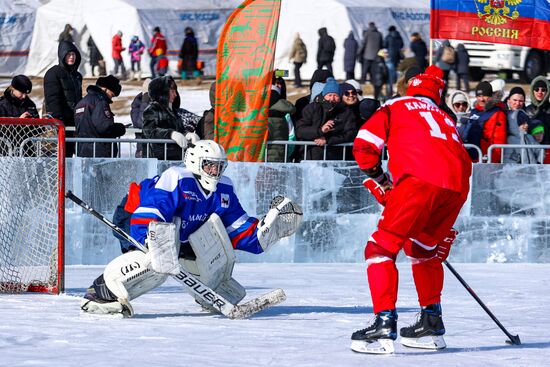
415,210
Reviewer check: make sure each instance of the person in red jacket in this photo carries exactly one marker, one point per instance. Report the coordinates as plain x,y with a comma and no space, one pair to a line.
157,49
494,126
430,169
117,49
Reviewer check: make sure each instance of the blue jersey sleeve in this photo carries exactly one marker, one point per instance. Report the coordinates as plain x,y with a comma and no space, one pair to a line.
159,200
241,228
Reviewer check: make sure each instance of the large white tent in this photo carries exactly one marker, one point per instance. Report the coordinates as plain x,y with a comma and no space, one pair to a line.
16,26
103,18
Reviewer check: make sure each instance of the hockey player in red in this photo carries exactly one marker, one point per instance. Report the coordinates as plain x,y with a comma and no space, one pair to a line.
430,171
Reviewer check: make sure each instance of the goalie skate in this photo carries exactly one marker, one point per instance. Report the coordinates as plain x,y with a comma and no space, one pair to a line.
113,309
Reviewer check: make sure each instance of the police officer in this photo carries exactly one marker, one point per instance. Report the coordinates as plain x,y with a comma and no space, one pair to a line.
94,118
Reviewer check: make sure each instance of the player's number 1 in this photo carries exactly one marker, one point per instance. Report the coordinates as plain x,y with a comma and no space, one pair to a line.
435,130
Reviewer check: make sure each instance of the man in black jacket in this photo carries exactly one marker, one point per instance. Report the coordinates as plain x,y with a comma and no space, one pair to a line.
94,119
325,50
16,102
163,119
63,87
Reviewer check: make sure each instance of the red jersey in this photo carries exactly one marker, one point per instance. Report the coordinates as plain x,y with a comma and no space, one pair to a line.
422,141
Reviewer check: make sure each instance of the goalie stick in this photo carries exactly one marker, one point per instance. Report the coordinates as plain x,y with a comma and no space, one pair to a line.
194,285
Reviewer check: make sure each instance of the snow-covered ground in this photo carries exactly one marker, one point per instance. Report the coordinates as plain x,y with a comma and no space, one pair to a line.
325,304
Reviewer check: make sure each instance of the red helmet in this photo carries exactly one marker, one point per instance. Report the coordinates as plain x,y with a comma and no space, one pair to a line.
429,84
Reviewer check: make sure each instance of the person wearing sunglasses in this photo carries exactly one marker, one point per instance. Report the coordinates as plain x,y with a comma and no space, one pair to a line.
539,109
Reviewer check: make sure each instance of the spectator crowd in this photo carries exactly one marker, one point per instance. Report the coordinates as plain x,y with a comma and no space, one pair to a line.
328,117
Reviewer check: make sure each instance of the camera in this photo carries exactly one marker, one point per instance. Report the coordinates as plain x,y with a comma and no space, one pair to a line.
281,73
33,112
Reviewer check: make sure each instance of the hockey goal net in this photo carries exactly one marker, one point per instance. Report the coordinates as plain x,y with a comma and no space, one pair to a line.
32,166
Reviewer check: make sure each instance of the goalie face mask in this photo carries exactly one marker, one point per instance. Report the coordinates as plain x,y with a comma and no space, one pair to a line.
207,160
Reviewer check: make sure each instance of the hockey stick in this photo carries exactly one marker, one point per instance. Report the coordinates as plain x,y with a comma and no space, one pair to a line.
194,285
513,339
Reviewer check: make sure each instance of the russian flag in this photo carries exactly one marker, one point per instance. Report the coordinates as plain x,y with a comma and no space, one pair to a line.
514,22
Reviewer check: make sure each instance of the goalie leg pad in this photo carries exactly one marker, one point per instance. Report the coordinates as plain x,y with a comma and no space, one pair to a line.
164,245
215,260
214,252
131,275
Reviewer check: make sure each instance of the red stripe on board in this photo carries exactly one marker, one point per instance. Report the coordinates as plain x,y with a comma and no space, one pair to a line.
528,32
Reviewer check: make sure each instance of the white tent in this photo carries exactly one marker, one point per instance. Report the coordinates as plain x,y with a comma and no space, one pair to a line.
16,26
103,18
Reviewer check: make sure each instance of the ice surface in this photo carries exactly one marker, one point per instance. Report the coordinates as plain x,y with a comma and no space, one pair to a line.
325,304
505,219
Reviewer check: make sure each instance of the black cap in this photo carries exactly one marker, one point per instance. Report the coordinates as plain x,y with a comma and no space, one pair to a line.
110,82
540,84
484,89
517,90
22,83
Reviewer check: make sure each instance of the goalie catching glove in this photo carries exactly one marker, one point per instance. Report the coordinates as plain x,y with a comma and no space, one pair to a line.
282,220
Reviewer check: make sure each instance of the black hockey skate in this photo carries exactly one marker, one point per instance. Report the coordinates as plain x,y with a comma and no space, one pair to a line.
427,332
378,337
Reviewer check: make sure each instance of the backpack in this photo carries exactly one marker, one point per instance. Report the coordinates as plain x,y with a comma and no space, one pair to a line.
448,55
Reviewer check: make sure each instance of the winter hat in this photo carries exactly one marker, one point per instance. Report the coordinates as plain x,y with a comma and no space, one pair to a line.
367,107
484,89
356,85
459,97
429,84
412,72
332,86
498,85
344,87
540,84
110,82
22,83
537,130
316,90
517,90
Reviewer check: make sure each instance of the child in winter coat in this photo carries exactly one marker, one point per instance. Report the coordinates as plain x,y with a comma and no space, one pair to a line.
136,49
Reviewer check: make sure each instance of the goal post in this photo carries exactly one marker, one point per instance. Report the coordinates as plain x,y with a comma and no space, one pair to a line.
32,210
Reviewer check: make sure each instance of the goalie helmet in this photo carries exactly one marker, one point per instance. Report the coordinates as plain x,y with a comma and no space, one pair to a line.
207,160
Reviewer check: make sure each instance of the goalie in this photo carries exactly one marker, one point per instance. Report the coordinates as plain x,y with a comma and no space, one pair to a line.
191,217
